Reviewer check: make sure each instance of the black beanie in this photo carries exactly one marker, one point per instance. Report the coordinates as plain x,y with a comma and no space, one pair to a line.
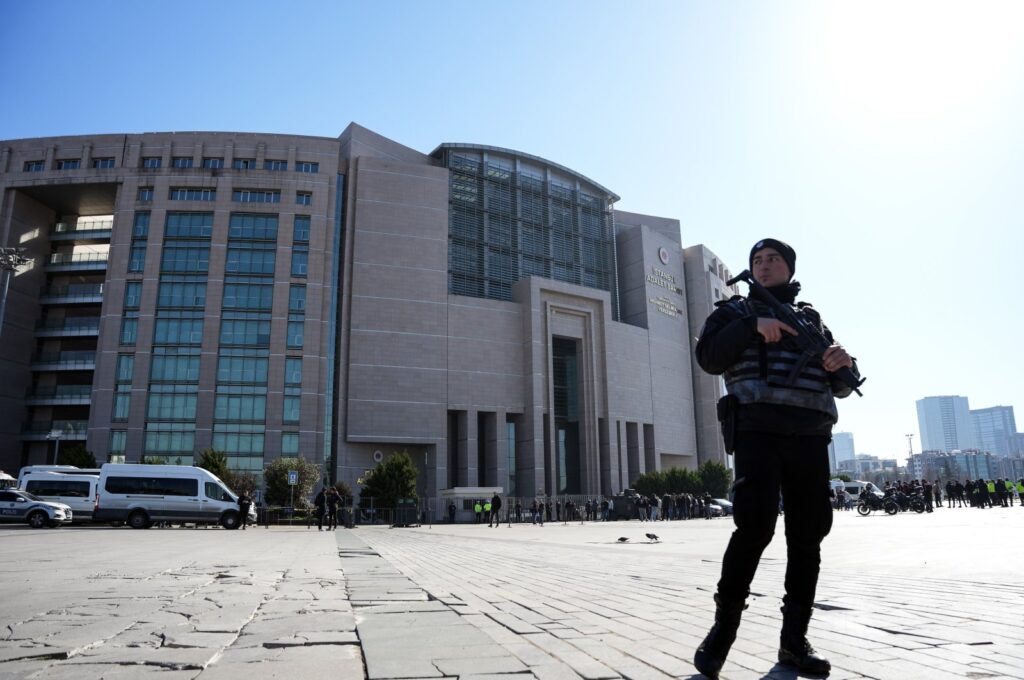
784,249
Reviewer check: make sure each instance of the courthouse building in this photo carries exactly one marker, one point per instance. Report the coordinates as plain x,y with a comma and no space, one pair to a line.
483,309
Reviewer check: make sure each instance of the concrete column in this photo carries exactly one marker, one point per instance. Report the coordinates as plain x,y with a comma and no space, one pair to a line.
633,458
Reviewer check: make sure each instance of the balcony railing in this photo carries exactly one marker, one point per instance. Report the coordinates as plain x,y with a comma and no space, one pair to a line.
75,292
69,429
83,234
78,258
78,325
70,360
97,225
60,394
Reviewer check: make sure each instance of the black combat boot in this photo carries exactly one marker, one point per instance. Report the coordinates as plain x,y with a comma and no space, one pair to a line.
794,649
712,652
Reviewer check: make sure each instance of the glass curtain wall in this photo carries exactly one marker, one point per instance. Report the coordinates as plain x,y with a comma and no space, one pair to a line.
177,336
505,225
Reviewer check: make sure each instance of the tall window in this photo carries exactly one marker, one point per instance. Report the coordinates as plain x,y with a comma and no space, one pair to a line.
140,233
213,163
275,165
300,232
132,294
69,164
102,163
145,194
305,166
243,163
151,162
118,442
129,328
34,166
181,162
300,260
123,387
303,198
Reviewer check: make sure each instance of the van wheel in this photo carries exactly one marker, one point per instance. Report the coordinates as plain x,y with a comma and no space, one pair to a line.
229,520
138,520
37,520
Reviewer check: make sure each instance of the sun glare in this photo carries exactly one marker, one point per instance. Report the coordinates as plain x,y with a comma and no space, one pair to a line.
919,63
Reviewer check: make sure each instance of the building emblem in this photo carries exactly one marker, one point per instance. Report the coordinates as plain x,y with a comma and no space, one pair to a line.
663,255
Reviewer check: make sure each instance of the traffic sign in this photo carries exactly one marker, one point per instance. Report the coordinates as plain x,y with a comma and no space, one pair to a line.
293,477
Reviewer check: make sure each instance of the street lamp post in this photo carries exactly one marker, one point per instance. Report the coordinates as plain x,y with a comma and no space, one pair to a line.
10,260
56,436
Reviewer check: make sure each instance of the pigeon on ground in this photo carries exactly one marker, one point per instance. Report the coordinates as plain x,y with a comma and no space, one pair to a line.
623,539
653,537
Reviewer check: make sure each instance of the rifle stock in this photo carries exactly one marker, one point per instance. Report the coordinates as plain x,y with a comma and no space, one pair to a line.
808,337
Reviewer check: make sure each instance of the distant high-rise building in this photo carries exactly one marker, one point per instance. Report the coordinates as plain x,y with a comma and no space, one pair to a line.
841,448
945,424
995,430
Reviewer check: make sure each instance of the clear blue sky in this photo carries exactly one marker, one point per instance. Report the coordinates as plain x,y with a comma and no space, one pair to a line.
883,140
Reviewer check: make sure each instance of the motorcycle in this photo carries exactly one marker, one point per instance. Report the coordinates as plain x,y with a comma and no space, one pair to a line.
869,502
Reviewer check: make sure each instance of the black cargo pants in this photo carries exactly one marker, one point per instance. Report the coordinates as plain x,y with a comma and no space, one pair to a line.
765,465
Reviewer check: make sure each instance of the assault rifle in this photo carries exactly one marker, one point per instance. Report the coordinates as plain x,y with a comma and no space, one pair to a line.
809,338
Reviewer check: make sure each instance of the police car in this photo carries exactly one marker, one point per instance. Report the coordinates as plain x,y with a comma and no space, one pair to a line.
21,506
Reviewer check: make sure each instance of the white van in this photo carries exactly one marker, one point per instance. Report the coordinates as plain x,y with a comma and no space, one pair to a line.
78,492
142,494
58,469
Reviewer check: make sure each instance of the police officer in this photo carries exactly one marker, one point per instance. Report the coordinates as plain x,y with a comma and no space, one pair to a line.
783,427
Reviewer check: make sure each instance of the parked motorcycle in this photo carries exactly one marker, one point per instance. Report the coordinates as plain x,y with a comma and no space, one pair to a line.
869,502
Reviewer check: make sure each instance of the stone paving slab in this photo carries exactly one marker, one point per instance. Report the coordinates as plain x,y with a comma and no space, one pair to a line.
455,602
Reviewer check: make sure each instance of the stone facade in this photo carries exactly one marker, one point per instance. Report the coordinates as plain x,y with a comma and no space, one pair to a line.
391,358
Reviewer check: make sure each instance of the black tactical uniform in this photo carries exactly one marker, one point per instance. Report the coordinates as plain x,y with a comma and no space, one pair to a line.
784,420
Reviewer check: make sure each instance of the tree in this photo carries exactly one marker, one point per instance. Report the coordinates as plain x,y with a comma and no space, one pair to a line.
76,454
242,482
276,479
393,479
682,480
153,460
715,478
651,482
843,478
344,490
216,462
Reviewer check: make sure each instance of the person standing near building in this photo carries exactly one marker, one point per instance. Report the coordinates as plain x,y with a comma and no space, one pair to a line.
244,503
495,510
320,502
477,510
783,409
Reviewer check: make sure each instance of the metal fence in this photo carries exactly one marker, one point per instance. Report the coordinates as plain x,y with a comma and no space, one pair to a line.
434,510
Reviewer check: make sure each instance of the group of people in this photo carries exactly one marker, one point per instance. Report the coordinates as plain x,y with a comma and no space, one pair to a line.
980,493
649,508
671,506
327,503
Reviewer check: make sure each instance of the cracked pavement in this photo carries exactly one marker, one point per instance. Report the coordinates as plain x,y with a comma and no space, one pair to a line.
909,596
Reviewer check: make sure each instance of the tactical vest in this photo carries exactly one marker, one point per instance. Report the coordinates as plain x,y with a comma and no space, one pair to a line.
779,373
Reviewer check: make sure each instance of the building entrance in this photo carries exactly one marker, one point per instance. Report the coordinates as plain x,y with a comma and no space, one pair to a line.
565,365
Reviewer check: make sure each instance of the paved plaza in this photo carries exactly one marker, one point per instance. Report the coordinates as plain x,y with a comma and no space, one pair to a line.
932,596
